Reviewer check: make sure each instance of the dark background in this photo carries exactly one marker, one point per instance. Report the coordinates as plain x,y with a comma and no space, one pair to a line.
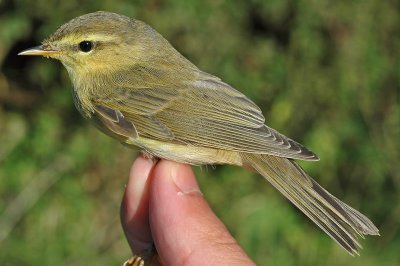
325,73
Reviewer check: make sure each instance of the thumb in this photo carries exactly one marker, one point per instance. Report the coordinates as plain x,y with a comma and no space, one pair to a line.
184,228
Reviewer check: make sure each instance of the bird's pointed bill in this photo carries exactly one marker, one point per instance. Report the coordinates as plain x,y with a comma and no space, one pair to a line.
39,50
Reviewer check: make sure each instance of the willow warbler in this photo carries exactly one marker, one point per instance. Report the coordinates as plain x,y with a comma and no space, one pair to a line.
137,88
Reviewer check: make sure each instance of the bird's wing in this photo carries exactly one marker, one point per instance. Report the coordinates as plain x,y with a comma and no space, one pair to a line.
206,112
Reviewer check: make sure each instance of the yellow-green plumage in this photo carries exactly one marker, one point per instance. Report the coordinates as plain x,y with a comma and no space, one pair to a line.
137,88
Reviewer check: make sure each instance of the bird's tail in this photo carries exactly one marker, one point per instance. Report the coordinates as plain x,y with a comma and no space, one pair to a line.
337,219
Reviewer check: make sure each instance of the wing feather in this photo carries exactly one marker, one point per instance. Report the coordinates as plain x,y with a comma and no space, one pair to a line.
223,135
205,112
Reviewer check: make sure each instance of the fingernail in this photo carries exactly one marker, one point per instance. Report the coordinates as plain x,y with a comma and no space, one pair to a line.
185,181
141,168
134,208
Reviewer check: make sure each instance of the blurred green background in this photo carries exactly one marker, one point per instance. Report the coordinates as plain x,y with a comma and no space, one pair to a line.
325,73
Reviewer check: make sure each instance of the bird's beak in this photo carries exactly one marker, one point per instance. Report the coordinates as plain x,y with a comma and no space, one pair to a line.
39,50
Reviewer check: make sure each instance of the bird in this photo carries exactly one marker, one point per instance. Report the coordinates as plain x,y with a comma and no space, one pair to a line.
133,85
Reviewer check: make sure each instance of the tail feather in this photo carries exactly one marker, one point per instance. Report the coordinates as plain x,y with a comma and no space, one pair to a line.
341,222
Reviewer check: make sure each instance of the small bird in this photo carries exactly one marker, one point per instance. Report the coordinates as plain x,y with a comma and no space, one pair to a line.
134,86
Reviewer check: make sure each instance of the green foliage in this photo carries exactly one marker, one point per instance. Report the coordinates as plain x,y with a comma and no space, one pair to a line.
325,73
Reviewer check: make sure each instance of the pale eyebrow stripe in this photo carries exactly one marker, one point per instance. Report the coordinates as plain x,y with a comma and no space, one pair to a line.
90,37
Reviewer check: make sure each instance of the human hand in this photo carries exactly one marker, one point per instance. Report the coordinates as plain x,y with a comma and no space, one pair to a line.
163,205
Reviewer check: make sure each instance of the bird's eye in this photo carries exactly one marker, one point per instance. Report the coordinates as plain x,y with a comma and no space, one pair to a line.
85,46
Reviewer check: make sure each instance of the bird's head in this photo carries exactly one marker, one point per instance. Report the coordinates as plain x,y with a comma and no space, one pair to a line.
98,42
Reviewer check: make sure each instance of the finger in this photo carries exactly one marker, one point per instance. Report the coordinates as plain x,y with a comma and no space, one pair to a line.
185,230
135,205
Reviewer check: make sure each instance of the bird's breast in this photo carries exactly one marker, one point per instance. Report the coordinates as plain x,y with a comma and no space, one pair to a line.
82,103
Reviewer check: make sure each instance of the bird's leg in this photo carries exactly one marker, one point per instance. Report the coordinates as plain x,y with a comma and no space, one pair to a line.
149,259
148,155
